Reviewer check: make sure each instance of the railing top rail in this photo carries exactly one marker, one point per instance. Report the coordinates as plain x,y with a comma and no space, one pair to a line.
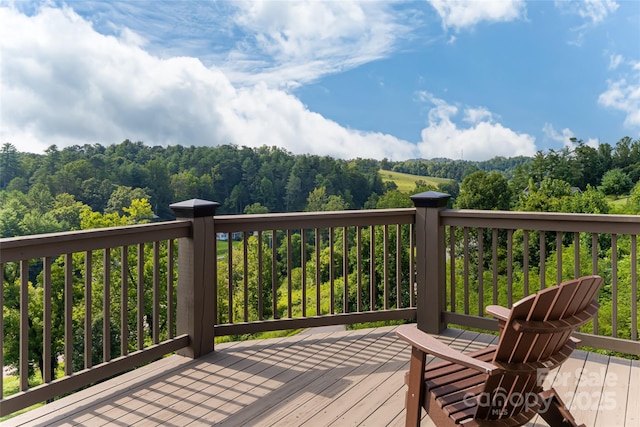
308,220
544,221
43,245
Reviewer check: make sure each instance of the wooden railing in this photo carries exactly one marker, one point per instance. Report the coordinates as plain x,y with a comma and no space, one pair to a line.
288,271
499,257
101,274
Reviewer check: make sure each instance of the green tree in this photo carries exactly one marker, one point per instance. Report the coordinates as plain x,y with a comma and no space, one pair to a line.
9,164
122,197
615,182
138,212
95,193
590,201
67,211
551,195
520,178
319,200
634,198
294,190
13,208
451,188
256,208
237,199
421,186
622,153
184,185
69,178
589,166
19,184
39,199
158,181
266,193
484,190
394,199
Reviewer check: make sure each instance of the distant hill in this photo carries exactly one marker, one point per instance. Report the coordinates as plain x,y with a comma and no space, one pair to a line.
407,182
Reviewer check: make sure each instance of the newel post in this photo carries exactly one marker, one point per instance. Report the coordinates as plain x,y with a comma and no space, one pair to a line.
430,260
196,274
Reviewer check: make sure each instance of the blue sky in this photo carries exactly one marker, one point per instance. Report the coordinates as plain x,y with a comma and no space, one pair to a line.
396,79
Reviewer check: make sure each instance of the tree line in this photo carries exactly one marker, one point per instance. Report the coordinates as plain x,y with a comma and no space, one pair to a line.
105,179
580,166
270,179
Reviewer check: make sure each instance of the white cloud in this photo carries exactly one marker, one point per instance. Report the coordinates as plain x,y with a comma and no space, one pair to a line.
623,90
564,137
289,43
595,10
475,115
279,117
459,14
481,140
281,43
615,61
64,83
592,12
624,95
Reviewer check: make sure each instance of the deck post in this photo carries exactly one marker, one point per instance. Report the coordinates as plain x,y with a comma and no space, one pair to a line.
196,275
430,260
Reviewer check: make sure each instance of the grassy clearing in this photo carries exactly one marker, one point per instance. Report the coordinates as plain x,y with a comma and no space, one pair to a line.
11,385
222,247
617,202
406,182
257,336
619,205
378,324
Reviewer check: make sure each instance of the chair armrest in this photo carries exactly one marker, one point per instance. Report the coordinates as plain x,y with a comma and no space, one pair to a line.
499,312
431,345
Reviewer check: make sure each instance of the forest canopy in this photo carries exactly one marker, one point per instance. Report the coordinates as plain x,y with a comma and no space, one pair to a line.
48,192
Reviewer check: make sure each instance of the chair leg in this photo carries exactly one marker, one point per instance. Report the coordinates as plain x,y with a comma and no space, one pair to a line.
415,393
553,410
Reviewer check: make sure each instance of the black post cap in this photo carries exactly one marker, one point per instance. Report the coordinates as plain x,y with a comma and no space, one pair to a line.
430,199
194,208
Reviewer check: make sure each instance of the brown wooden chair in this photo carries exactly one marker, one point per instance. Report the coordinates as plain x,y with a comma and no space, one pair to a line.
502,385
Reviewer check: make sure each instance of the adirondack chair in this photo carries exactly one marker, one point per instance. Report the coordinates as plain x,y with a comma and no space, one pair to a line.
502,385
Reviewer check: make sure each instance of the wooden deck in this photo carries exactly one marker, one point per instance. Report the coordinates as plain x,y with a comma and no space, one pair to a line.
314,379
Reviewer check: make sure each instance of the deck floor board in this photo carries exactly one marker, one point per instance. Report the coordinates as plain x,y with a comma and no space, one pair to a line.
340,378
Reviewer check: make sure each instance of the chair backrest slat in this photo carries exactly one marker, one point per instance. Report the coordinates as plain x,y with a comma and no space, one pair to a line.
509,353
564,305
545,307
568,304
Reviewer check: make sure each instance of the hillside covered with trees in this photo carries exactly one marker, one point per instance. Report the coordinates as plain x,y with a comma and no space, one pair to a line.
35,188
49,192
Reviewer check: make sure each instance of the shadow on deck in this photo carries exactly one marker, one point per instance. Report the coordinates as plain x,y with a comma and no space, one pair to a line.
316,379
